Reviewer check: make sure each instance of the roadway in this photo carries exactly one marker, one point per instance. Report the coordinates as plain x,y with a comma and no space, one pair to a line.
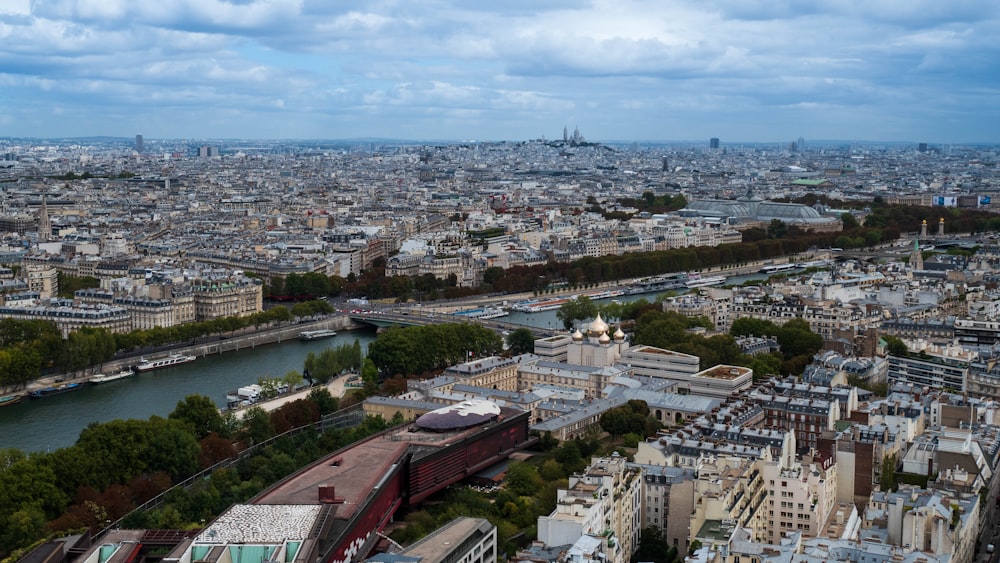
337,386
417,316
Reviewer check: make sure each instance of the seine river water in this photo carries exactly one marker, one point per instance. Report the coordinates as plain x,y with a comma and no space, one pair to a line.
55,422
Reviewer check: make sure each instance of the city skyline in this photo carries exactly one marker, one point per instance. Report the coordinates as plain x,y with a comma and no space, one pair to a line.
299,69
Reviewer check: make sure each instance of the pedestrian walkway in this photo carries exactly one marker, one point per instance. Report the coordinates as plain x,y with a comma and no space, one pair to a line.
337,386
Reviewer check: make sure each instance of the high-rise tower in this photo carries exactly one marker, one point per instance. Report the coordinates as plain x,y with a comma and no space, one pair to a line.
713,143
138,144
44,226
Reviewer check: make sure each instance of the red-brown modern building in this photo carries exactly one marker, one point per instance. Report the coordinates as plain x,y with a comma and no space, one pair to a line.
332,510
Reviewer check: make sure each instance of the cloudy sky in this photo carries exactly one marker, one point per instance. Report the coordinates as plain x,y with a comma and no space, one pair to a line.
741,70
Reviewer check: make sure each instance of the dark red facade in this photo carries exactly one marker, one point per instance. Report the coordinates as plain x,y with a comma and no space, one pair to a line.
434,471
420,472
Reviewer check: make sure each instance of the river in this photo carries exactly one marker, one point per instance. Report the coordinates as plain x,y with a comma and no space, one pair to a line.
55,422
548,319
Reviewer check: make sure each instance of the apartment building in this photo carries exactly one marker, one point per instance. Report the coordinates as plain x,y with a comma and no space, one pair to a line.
605,503
234,297
801,495
69,317
938,367
729,493
668,500
489,373
463,540
42,279
806,417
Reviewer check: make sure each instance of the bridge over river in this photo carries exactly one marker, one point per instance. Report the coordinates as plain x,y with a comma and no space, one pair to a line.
414,316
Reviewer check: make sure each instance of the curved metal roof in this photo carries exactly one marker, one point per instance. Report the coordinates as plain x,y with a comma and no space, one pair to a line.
460,415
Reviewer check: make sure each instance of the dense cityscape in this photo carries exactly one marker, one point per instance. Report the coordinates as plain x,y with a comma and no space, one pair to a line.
839,403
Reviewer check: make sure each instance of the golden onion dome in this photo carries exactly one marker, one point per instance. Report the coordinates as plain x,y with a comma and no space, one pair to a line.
598,327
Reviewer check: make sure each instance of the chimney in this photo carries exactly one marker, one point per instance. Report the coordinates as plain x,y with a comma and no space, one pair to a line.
327,495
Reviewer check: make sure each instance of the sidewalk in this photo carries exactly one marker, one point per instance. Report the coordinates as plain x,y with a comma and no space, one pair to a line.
336,386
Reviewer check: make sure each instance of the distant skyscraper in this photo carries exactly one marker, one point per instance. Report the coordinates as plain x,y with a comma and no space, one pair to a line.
208,151
713,143
801,144
922,147
138,143
565,134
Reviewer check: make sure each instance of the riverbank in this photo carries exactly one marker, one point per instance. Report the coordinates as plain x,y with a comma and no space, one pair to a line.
243,339
337,387
509,298
56,422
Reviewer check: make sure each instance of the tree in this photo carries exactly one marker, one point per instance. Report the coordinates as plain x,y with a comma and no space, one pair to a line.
521,341
895,346
777,228
257,426
887,480
652,546
765,365
748,326
797,339
21,527
551,470
200,413
326,402
578,309
522,479
492,275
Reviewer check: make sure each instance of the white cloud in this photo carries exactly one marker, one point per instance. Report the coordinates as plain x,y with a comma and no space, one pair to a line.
631,66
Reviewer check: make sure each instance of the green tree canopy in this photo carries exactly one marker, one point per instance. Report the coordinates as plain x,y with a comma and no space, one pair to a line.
521,341
200,414
578,309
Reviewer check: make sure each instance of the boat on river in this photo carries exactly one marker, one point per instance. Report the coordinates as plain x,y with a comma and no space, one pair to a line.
109,377
484,313
57,390
539,305
171,360
317,334
7,400
705,281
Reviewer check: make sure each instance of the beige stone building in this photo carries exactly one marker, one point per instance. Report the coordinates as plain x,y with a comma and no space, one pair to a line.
604,502
233,297
489,373
43,279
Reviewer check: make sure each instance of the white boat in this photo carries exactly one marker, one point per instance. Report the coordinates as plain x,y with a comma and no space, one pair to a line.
605,294
108,377
484,313
538,305
704,282
171,360
778,268
317,334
